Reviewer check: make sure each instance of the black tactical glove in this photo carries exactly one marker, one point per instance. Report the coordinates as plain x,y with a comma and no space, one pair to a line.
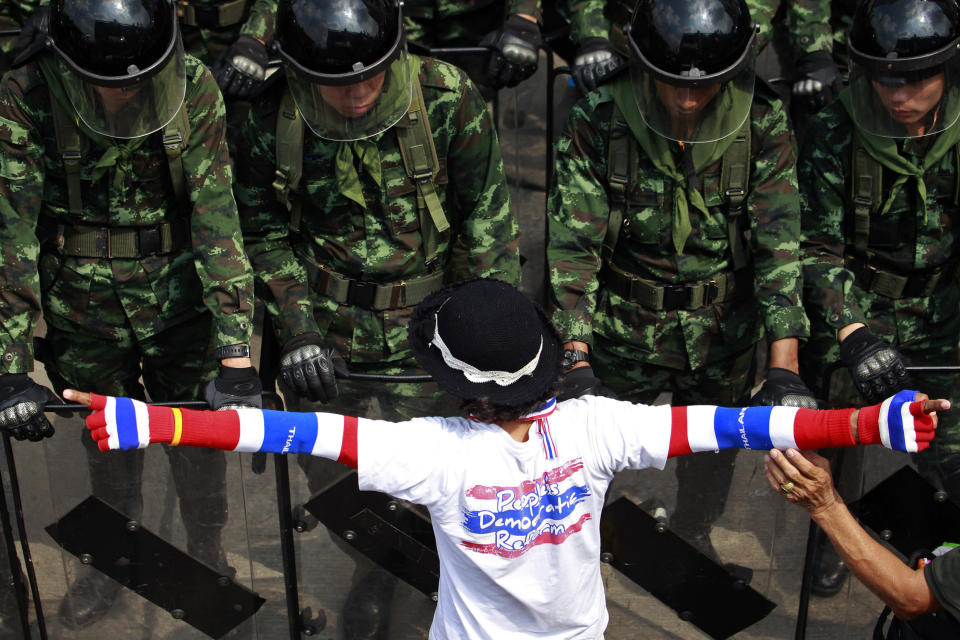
784,388
22,402
234,388
310,369
514,49
240,71
580,381
876,367
596,60
819,81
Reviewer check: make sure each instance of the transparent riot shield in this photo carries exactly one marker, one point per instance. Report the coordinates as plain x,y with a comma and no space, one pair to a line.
153,545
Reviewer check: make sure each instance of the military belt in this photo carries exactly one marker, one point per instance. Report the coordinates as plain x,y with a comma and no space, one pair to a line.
88,241
896,285
370,295
211,16
669,297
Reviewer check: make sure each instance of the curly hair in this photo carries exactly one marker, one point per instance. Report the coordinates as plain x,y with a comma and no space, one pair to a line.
485,411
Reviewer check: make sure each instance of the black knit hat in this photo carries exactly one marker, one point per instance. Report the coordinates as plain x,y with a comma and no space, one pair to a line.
484,339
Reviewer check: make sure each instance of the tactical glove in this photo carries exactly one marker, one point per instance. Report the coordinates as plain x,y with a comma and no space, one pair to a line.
22,403
876,367
309,368
581,381
819,81
240,71
596,60
784,388
514,49
234,388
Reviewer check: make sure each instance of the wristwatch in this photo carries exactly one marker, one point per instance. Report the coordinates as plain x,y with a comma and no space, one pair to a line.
572,357
232,351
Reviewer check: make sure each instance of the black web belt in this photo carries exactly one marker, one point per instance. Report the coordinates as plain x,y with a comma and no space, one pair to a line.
669,297
890,284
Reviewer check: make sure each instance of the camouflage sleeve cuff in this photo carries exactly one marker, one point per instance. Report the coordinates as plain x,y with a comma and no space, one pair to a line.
235,328
589,23
573,325
261,23
787,322
17,358
529,7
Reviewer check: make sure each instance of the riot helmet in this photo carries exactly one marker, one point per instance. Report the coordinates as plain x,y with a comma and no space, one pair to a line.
903,67
122,63
346,64
692,66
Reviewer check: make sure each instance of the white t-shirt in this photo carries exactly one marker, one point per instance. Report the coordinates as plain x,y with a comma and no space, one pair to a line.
518,531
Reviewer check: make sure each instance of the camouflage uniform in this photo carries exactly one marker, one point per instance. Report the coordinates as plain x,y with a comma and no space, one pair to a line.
705,356
906,239
807,22
111,320
13,13
208,43
380,243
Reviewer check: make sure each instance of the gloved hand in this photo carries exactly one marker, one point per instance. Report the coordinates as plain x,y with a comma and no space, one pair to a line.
240,71
514,49
596,60
894,426
784,388
310,369
22,402
876,367
580,381
234,388
819,81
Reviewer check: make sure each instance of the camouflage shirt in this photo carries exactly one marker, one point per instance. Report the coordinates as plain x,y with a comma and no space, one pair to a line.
578,210
902,239
208,44
155,292
382,242
808,23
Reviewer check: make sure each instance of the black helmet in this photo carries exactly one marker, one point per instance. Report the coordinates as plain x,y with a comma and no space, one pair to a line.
693,45
122,61
895,43
329,45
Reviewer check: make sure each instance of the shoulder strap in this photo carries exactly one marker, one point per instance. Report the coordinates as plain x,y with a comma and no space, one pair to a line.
175,136
619,160
69,146
289,157
422,166
867,184
734,180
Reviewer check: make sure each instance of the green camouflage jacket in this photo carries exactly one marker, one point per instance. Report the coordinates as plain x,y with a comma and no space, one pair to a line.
901,240
578,210
208,44
807,21
155,292
381,243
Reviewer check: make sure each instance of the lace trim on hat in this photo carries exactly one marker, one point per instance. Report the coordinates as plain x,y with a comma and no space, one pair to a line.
471,373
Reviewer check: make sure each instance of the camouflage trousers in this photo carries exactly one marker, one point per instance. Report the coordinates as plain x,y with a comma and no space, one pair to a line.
938,347
703,479
375,400
175,364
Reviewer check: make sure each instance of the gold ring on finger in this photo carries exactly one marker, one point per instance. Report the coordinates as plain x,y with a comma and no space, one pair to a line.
787,487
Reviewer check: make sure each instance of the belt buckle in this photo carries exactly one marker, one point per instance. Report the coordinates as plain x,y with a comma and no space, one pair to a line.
362,294
712,292
103,242
675,296
150,241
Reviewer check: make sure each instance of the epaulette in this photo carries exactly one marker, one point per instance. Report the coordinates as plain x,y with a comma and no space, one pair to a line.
438,74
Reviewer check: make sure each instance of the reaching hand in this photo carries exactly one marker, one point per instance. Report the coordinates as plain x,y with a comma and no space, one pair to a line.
819,81
241,71
802,478
904,422
310,369
876,367
581,381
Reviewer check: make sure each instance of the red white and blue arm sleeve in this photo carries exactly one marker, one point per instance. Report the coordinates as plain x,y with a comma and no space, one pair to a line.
123,423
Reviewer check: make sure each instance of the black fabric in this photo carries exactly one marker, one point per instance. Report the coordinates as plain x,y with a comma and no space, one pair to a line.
517,32
821,67
490,325
877,368
26,400
311,368
234,386
235,83
582,382
943,578
588,76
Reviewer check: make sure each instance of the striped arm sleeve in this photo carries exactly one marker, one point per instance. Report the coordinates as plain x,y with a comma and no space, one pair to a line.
708,428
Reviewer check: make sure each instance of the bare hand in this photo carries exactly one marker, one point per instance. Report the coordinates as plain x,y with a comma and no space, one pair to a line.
812,485
81,397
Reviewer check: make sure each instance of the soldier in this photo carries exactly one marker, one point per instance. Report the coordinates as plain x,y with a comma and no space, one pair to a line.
880,218
117,221
673,226
365,174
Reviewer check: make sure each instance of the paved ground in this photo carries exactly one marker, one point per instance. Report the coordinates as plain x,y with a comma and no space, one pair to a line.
758,529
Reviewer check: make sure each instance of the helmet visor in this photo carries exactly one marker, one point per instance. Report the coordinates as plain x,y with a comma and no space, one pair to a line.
353,111
906,97
693,113
135,109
